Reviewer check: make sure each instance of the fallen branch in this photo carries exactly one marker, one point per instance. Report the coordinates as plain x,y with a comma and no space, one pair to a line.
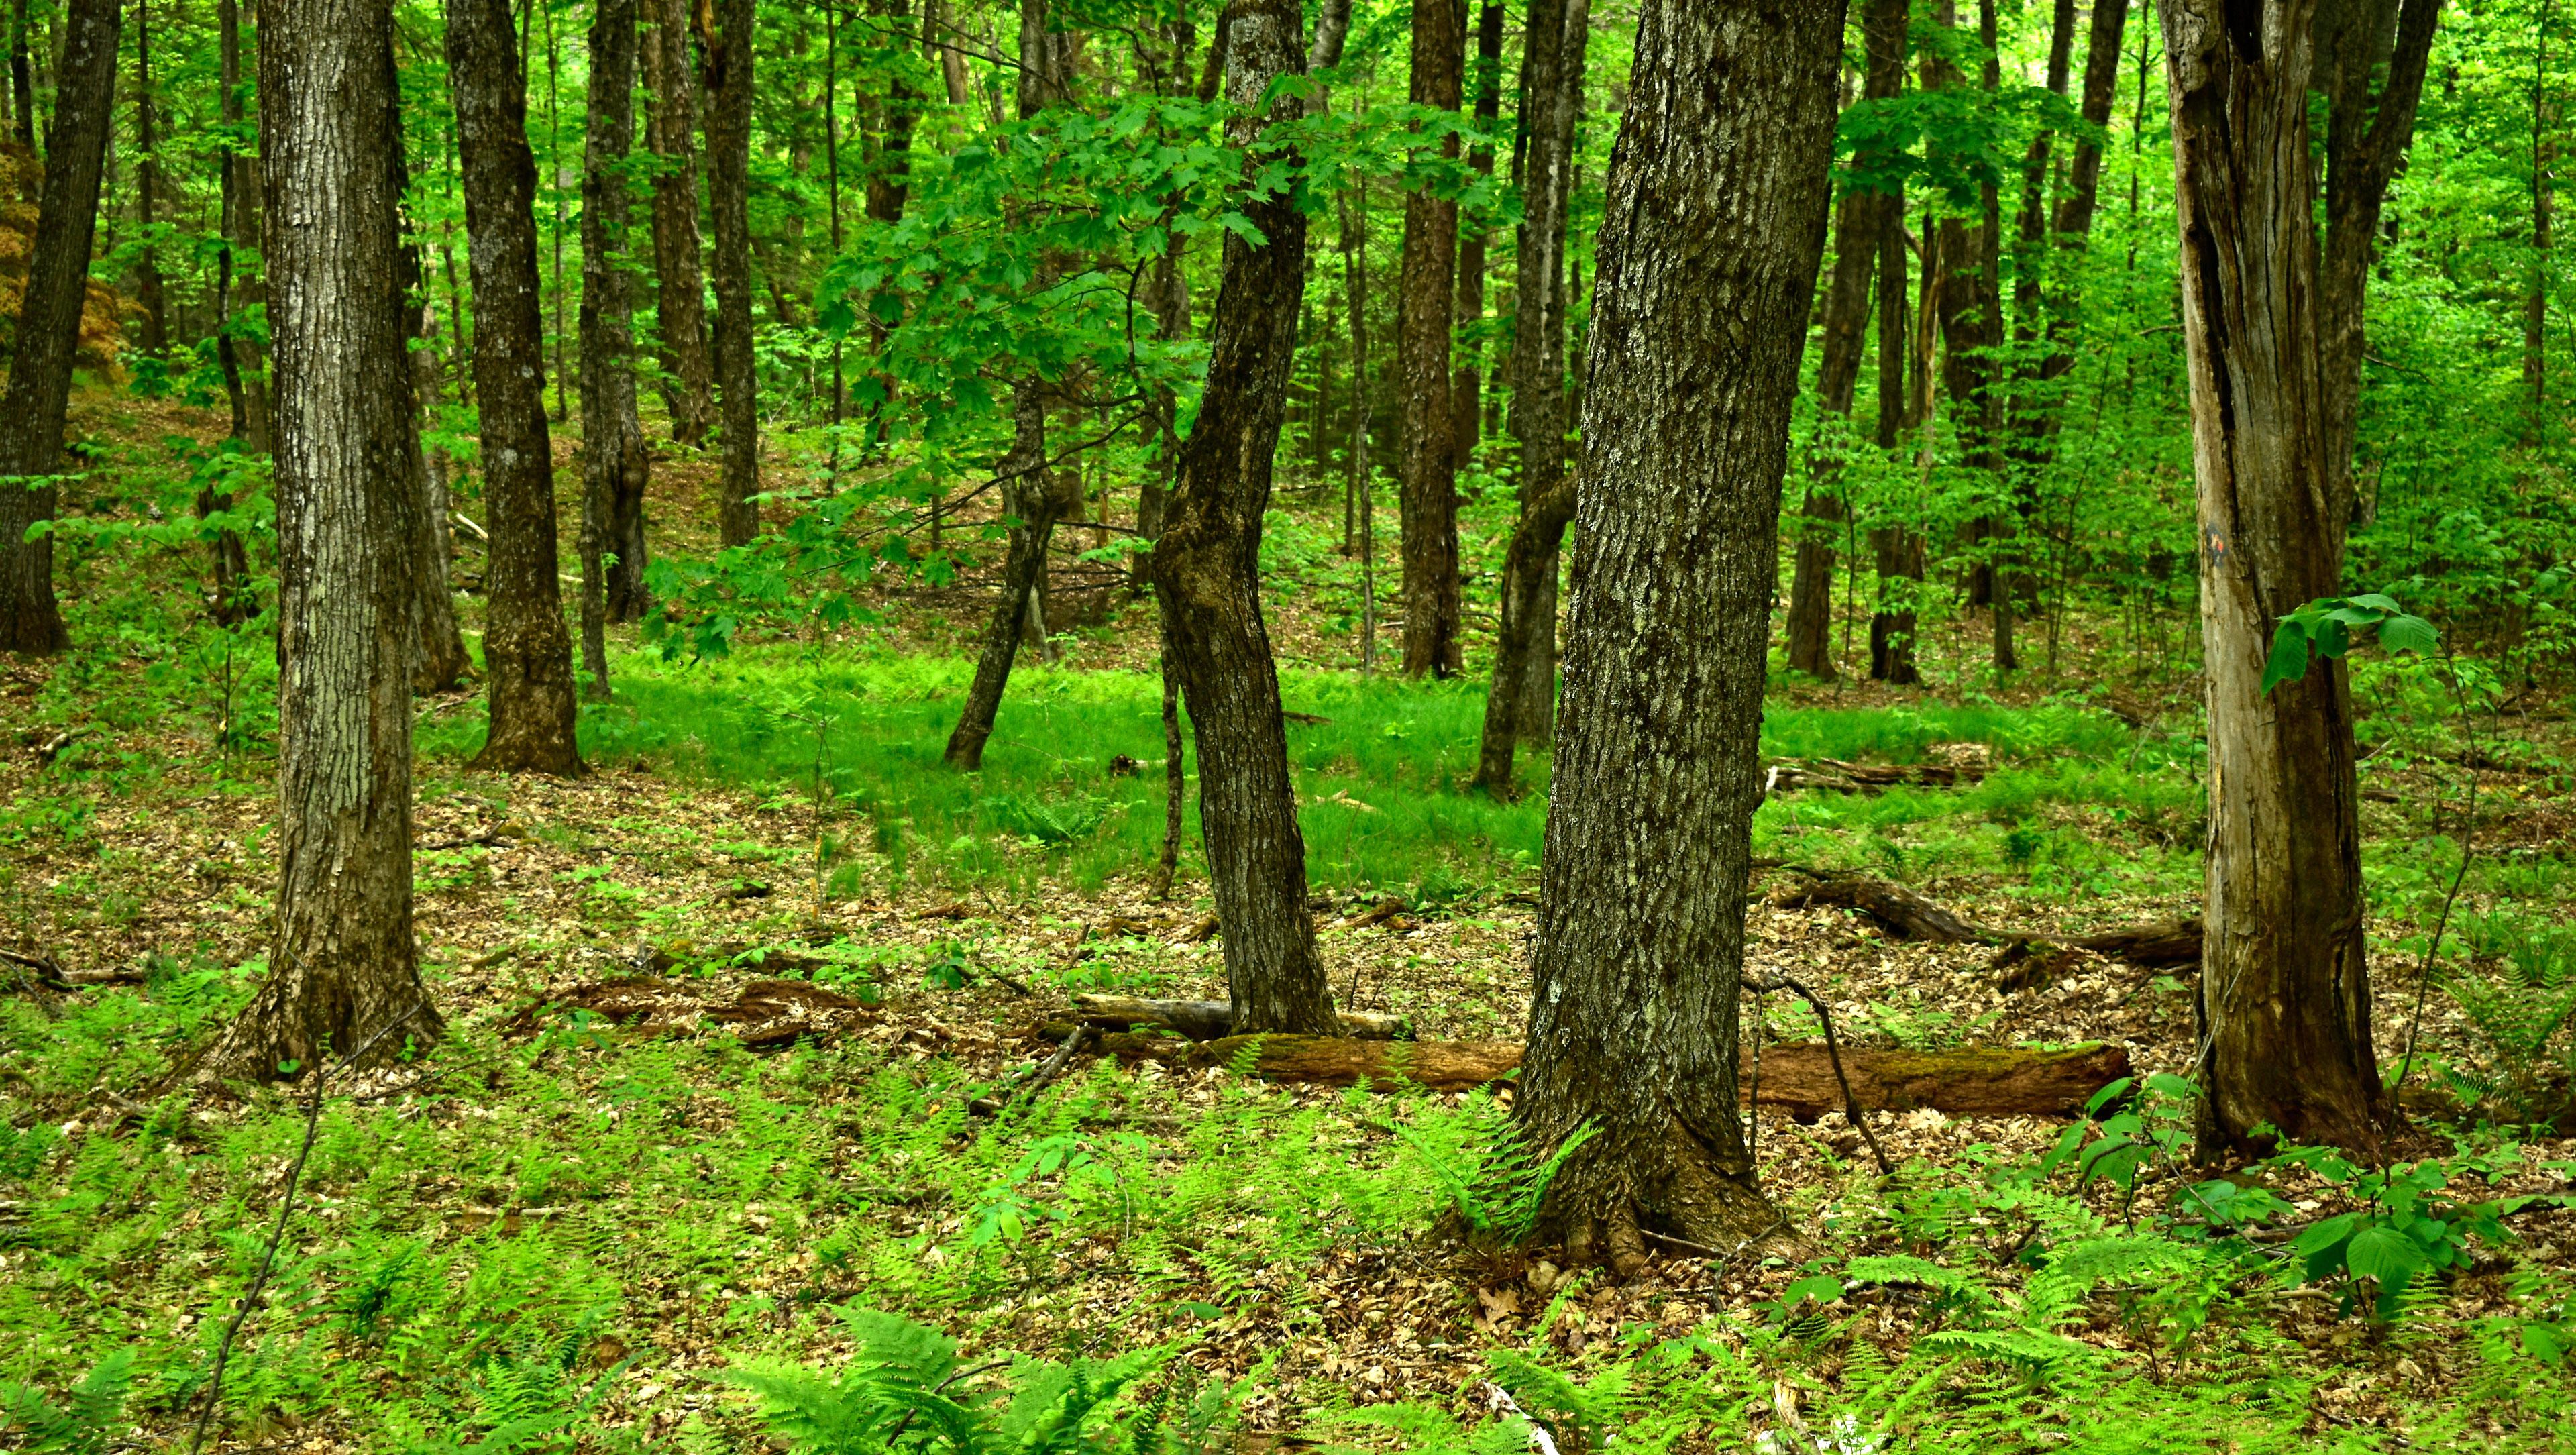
1048,1071
1833,1054
1835,775
2167,942
1210,1020
1798,1076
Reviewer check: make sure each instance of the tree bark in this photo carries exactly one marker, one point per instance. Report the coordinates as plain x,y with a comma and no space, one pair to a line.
1467,384
615,468
527,656
1847,299
729,79
439,660
2367,133
40,371
2285,984
1426,467
342,967
1206,572
1518,702
1717,199
149,294
890,164
22,77
1036,497
680,300
2073,223
236,358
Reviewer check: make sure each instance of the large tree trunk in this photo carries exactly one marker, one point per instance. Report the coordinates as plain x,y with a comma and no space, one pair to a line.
342,968
1206,572
439,660
2367,133
1717,197
680,293
149,294
40,372
729,81
2285,980
1426,467
615,469
1525,640
526,653
1467,383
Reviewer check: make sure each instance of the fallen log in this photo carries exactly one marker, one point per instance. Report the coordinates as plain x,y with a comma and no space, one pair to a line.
1209,1020
1835,775
2164,943
1798,1076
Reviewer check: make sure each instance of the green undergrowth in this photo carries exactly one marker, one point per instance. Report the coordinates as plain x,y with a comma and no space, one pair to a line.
552,1241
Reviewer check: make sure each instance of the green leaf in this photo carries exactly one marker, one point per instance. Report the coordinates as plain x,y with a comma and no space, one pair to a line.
2402,633
2384,1254
2289,659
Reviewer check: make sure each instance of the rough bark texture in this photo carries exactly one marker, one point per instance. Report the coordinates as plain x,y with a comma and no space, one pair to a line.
1426,466
2285,986
1467,383
680,296
2367,132
615,469
729,83
527,655
342,967
40,371
1714,226
1521,701
1206,573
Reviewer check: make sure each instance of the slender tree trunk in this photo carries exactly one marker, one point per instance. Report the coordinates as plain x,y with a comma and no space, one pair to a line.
680,297
1847,298
1206,572
935,30
2285,979
1175,780
236,358
729,77
40,371
2075,207
2367,133
1551,91
1427,477
22,76
1467,385
342,967
149,293
1715,224
526,653
889,169
615,467
439,660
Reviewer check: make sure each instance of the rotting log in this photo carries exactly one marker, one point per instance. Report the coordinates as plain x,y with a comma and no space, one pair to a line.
1798,1076
2165,943
1209,1020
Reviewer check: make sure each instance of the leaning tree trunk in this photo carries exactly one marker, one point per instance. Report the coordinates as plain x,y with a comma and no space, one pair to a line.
526,653
2284,976
343,968
1426,468
1551,83
614,466
40,372
1714,227
729,82
1206,572
2073,223
1036,497
680,291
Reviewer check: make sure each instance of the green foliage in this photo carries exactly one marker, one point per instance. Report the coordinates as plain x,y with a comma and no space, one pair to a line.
2324,627
85,1423
1495,1180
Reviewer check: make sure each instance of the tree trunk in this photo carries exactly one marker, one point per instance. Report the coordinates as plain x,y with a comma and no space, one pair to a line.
2074,221
1715,221
1811,589
1525,638
2367,133
680,297
22,77
40,370
890,167
1467,384
1036,497
2285,983
149,294
1426,468
342,968
439,661
1883,25
236,358
935,26
526,653
729,79
615,469
1206,572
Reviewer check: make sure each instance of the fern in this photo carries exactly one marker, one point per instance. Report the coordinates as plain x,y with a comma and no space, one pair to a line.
81,1425
1482,1163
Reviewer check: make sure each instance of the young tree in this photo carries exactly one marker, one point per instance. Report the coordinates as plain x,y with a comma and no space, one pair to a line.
1467,382
342,966
439,661
149,293
526,652
1206,571
615,469
40,373
680,293
729,80
2285,976
1522,699
1426,466
1715,224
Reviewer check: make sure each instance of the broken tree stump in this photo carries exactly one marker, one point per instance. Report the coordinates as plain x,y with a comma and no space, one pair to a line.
1799,1076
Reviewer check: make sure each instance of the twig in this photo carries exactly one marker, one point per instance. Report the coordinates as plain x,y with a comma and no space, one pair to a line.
1048,1071
1697,1250
1851,1103
277,1231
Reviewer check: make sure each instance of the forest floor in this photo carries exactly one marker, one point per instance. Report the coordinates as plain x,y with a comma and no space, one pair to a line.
717,1015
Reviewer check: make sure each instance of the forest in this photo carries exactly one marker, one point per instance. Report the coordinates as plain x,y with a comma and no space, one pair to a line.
1147,727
